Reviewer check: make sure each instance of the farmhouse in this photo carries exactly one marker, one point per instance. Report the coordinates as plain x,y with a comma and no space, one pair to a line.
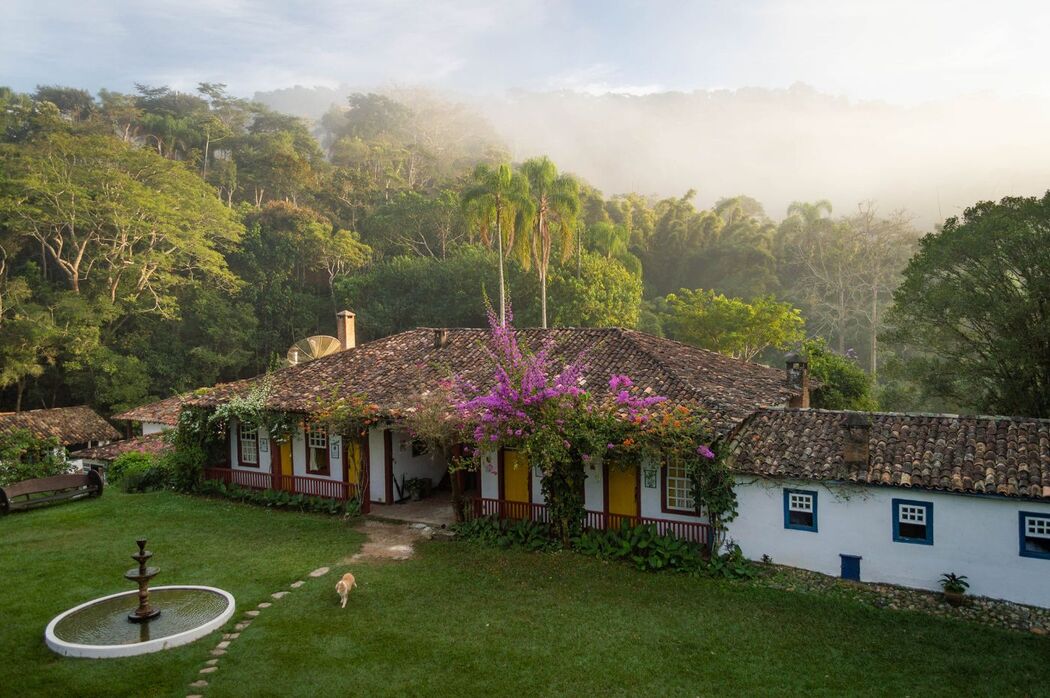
898,498
895,498
74,427
394,371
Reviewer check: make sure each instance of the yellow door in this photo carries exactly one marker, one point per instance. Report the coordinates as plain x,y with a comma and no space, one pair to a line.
516,485
623,491
287,483
353,461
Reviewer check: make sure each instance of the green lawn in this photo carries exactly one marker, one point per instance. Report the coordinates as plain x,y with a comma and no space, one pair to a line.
464,620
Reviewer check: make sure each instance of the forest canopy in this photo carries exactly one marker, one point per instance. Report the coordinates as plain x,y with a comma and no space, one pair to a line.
159,241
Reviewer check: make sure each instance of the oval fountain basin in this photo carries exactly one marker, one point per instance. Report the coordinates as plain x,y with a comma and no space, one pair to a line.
100,628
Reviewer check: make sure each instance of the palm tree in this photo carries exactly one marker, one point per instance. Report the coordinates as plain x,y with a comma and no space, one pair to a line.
555,205
497,195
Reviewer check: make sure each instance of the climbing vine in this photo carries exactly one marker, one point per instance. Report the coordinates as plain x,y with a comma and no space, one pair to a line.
545,412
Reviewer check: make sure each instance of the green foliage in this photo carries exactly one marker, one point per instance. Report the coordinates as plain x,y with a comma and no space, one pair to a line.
642,546
139,472
524,534
731,325
954,583
25,457
971,312
279,499
844,384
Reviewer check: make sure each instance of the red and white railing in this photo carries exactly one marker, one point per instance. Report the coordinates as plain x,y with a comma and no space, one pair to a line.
695,531
299,484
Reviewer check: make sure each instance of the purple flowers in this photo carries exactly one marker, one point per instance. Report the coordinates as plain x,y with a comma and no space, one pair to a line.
706,452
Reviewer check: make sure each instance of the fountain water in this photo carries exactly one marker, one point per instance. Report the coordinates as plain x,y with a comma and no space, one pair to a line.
142,621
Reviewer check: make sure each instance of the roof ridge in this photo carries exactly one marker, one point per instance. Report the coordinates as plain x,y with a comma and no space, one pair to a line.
888,413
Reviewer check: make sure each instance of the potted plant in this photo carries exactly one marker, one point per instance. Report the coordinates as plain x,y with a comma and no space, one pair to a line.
415,487
954,586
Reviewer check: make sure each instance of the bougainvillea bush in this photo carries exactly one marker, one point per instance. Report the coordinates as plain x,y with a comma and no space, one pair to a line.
549,413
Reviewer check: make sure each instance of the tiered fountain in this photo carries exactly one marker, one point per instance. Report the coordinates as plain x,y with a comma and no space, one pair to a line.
142,621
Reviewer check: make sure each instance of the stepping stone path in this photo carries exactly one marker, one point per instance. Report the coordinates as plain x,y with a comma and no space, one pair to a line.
212,665
385,541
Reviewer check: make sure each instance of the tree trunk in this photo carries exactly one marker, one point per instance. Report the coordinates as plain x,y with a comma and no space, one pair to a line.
874,332
499,247
543,296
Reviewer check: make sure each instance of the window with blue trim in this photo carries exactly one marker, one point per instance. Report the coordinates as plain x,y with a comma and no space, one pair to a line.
912,521
800,510
1035,535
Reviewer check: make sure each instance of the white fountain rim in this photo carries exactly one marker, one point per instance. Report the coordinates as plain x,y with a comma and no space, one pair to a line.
74,649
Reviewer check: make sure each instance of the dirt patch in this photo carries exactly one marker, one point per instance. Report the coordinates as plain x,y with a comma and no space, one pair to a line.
387,541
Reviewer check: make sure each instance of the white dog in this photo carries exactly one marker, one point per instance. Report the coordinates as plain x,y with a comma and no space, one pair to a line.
343,587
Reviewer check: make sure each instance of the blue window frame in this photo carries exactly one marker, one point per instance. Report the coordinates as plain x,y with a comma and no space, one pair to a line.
800,510
1035,534
912,521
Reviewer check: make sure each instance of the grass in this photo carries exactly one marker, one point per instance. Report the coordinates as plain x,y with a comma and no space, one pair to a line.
459,619
55,558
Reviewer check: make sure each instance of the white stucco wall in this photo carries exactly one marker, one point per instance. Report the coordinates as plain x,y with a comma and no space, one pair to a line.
973,535
265,446
376,465
153,428
489,476
408,466
651,498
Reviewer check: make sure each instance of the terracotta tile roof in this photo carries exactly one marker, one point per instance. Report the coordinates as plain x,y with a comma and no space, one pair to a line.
975,454
150,443
394,370
164,411
72,425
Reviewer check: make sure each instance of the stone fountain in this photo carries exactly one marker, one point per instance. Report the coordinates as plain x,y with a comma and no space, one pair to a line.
141,576
141,621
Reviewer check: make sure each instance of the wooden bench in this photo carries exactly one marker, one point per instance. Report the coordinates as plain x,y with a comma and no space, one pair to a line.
24,495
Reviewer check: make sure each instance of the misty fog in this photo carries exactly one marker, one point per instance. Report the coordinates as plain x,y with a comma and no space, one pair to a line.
778,146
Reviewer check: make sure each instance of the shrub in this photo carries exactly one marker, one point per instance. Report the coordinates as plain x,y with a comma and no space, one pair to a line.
279,499
508,533
643,546
185,466
24,457
139,472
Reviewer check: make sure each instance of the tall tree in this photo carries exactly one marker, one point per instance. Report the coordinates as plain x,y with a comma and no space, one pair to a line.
975,301
493,201
555,205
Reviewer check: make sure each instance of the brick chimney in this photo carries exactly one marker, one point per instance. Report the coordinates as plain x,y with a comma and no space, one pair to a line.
798,378
440,338
345,329
856,453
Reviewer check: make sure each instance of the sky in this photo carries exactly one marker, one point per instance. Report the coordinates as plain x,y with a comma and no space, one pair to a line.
924,105
902,52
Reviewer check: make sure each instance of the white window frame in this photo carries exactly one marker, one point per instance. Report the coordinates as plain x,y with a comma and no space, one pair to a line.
678,488
317,438
911,514
800,501
249,438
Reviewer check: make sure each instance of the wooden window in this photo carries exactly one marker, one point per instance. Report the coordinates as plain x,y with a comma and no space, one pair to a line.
248,445
800,510
1035,535
678,489
317,462
912,522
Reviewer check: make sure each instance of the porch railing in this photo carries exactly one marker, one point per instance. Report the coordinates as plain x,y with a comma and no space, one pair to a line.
299,484
694,531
